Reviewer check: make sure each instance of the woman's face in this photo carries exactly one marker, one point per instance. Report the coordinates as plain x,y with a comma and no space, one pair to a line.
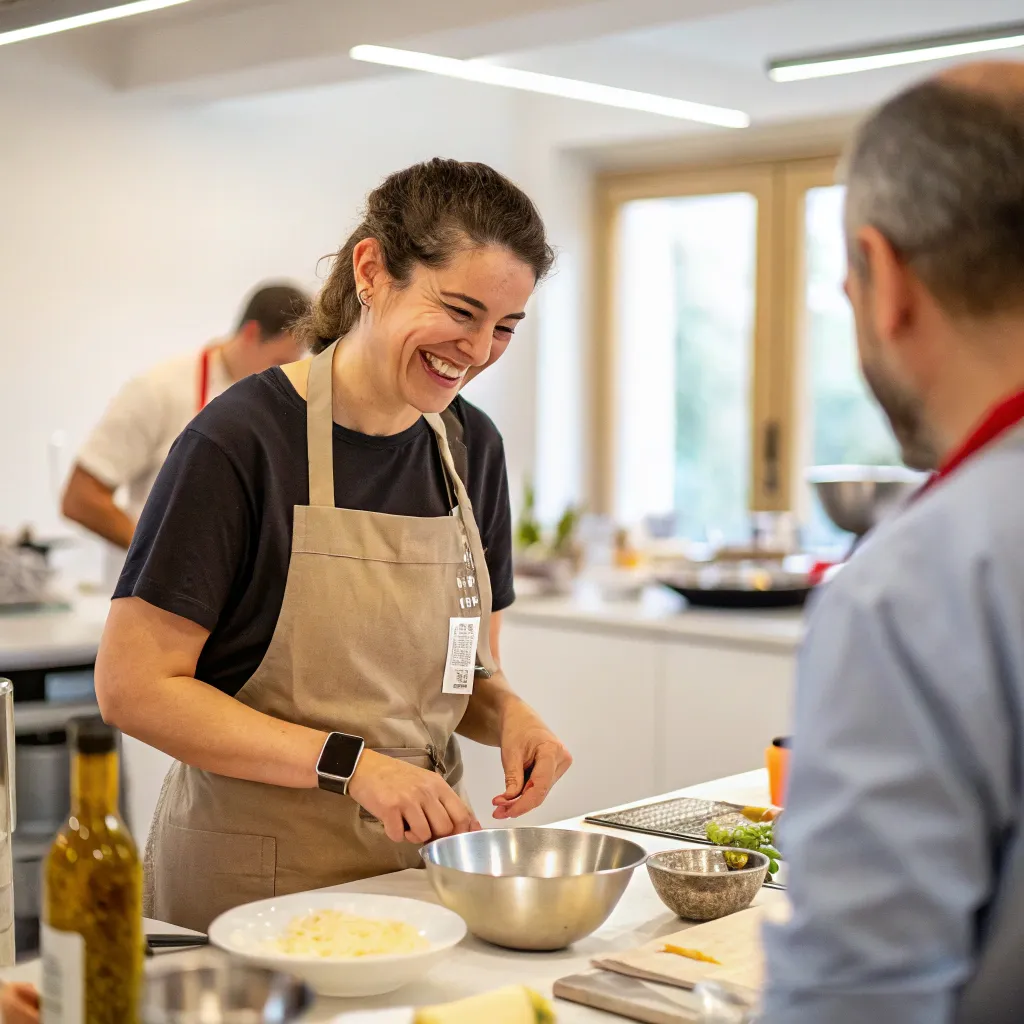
445,325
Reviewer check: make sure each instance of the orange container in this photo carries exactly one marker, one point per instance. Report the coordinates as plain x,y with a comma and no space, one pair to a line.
776,759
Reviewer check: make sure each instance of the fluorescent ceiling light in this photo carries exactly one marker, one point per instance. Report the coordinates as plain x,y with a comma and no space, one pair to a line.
49,28
551,85
912,51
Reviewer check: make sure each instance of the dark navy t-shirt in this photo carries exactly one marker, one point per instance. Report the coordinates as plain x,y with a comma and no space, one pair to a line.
214,539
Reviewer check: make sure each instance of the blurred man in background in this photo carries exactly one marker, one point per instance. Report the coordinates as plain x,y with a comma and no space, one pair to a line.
129,444
903,820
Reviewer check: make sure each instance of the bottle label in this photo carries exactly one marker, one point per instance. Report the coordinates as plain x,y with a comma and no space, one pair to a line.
63,995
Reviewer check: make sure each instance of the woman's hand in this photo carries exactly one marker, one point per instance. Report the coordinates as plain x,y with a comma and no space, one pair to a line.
19,1004
414,804
528,747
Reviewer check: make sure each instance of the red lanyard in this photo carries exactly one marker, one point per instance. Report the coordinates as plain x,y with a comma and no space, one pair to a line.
1000,420
203,385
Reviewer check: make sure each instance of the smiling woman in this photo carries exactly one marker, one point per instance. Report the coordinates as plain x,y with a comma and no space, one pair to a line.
310,607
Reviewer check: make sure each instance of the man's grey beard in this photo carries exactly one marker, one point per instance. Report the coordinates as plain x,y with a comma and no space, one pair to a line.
905,413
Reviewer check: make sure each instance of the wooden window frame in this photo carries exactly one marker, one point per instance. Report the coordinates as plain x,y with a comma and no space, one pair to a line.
778,356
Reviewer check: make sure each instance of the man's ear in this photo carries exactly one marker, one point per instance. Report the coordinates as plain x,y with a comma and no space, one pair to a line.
889,297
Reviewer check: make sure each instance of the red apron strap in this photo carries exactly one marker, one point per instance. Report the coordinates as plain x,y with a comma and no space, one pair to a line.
203,381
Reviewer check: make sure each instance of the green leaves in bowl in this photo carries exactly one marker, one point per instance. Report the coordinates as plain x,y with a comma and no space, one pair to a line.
758,837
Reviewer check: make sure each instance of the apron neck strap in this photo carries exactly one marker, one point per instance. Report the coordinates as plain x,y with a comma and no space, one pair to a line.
320,428
472,535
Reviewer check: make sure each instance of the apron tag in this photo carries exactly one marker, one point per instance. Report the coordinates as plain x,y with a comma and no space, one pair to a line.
460,665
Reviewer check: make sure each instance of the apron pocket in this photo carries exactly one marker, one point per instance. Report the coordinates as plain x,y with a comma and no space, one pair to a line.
198,874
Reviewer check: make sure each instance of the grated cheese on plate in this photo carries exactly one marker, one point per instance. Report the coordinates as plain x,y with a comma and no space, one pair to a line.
335,934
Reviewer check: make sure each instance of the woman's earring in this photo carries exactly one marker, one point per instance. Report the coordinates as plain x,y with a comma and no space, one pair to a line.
364,298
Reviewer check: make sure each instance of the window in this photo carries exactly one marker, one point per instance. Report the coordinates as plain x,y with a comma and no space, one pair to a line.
727,351
686,285
845,425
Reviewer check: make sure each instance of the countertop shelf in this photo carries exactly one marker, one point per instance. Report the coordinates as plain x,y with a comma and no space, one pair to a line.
53,639
44,716
662,615
32,846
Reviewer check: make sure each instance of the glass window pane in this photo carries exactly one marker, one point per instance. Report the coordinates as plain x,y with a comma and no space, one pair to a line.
686,289
846,426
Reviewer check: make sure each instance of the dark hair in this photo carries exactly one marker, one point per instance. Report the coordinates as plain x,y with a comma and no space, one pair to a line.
276,308
426,214
939,170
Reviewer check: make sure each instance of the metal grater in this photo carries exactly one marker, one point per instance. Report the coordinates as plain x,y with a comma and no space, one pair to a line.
683,818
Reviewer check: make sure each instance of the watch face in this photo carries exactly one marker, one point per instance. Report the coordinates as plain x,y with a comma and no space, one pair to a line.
339,755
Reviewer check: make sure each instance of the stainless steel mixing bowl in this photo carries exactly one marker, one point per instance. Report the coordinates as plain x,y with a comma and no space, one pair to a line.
857,498
532,888
207,988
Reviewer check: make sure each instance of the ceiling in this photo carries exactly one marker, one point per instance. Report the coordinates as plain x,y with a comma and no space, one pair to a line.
712,51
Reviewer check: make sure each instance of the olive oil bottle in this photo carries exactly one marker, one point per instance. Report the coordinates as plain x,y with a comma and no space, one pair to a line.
92,941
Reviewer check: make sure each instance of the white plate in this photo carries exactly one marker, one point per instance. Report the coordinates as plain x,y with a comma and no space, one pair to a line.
245,931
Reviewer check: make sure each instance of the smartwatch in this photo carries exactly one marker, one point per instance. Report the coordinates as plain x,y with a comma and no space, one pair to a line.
338,761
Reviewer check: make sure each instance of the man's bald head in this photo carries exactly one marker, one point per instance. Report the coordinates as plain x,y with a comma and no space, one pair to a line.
939,171
1002,79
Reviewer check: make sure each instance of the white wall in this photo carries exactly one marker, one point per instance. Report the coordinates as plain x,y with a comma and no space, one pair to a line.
132,231
132,227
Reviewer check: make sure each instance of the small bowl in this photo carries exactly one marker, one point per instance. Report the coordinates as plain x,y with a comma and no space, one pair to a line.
244,933
532,888
194,986
698,885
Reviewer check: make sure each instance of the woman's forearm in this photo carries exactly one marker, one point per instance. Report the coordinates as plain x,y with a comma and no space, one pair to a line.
145,686
205,728
483,717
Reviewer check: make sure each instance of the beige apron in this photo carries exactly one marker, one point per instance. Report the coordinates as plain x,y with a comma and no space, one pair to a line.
359,647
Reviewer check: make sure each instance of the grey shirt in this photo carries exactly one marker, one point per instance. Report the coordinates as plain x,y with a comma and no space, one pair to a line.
902,826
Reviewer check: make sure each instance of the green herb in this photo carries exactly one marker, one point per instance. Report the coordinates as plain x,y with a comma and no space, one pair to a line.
565,530
528,530
759,838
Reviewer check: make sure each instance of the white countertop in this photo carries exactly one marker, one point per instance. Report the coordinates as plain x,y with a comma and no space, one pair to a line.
663,615
476,967
52,638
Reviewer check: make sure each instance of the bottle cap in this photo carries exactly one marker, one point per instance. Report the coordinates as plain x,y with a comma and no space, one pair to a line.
91,735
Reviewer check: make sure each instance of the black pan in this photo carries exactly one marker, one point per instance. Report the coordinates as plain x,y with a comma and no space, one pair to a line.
734,597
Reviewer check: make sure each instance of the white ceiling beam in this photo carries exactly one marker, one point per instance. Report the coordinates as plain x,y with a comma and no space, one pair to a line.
300,43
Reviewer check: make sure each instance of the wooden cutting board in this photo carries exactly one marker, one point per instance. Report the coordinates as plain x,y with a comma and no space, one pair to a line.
629,997
734,941
648,985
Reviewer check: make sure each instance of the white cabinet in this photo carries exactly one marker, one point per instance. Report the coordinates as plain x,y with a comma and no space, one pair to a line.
641,714
598,693
721,707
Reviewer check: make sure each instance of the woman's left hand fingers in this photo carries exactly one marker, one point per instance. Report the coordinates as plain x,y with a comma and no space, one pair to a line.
19,1004
542,778
533,759
550,763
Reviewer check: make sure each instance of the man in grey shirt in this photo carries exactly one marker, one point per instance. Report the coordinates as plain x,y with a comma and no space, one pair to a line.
903,820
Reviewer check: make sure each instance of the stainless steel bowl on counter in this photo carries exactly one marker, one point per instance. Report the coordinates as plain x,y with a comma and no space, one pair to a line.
857,498
205,988
532,888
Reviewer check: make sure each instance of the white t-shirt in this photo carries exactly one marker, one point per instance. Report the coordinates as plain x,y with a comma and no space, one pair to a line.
129,444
